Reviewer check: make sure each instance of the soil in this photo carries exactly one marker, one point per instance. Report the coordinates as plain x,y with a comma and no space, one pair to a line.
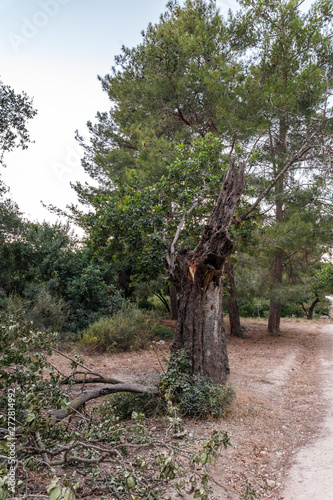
279,407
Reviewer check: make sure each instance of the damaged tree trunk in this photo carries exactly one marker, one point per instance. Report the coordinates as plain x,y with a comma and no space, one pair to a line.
200,326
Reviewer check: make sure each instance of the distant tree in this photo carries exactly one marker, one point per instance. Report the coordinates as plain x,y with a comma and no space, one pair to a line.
320,285
290,75
15,110
43,265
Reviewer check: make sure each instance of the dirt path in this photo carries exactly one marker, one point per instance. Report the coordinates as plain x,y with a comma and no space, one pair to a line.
311,477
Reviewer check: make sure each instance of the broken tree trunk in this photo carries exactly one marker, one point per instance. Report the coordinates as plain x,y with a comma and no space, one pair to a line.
200,326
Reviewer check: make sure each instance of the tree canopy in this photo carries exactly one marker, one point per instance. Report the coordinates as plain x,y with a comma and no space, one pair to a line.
15,110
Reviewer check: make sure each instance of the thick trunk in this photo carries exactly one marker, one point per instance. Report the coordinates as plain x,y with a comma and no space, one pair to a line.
200,326
173,301
200,329
233,311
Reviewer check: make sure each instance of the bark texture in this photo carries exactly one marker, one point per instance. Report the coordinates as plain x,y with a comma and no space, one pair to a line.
309,312
275,303
200,326
86,396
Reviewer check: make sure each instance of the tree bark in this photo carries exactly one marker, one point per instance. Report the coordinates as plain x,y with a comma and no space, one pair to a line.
86,396
309,312
233,311
200,327
275,303
311,308
173,301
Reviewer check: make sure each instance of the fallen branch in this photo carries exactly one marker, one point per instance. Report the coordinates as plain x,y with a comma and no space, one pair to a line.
76,403
114,380
100,379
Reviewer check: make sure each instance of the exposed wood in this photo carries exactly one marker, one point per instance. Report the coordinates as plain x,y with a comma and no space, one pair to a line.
200,326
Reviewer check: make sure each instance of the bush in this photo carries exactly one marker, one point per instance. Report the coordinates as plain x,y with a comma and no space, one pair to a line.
127,329
3,300
40,307
254,308
122,405
291,309
196,397
163,332
257,308
47,312
323,308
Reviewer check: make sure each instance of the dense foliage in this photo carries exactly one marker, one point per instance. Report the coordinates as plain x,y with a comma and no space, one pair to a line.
31,391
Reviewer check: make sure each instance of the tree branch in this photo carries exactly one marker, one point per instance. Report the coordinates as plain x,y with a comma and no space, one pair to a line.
76,403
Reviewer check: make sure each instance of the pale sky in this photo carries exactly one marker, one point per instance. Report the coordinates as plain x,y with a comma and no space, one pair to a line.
54,50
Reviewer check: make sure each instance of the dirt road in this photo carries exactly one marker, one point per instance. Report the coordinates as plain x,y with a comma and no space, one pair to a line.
311,477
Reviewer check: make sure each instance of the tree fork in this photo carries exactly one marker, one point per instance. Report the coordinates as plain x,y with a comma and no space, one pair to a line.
200,327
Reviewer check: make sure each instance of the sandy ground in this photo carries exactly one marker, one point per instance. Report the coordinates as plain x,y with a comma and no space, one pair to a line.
311,477
280,423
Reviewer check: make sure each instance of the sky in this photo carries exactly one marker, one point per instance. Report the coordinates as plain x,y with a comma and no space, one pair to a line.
53,50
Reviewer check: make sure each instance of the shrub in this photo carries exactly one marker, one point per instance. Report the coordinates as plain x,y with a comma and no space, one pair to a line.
323,308
122,405
196,397
3,300
163,332
290,309
253,308
127,329
47,312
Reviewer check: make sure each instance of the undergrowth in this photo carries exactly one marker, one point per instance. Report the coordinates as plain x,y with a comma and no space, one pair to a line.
94,453
195,397
128,329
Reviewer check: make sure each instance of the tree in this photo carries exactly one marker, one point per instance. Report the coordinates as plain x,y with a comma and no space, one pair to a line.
15,110
57,282
321,283
180,81
200,325
194,90
147,226
292,82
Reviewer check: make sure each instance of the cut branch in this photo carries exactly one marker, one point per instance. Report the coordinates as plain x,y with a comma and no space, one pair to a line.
76,403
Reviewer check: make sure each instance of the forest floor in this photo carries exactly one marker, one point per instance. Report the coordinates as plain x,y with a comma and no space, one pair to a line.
279,407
